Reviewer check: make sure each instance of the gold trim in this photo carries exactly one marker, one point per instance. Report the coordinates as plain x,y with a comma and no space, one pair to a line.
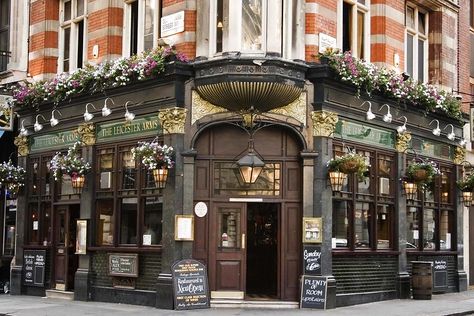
403,142
324,123
172,120
23,146
86,133
295,109
459,155
201,108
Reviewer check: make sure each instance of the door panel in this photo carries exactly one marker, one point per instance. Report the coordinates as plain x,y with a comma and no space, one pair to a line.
227,247
291,252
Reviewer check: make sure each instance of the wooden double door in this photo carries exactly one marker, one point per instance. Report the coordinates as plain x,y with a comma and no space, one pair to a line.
65,258
254,249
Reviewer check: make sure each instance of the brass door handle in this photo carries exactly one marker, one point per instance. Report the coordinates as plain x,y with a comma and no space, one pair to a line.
243,241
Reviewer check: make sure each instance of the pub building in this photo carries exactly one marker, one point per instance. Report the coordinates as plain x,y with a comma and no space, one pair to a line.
228,118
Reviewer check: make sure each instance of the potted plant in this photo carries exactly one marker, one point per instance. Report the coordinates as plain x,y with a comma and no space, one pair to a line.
466,185
421,173
12,176
155,157
71,164
350,163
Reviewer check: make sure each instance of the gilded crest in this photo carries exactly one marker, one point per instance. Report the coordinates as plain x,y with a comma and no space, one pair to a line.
403,142
173,120
324,123
86,133
23,147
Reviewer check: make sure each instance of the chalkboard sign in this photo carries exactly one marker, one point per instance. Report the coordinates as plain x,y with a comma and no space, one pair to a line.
311,260
440,275
123,264
313,292
34,263
190,285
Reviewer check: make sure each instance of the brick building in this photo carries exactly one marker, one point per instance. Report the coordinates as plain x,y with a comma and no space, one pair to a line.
255,87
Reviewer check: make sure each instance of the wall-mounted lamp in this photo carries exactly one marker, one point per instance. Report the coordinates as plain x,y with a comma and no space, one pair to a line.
38,127
23,130
402,128
462,142
219,24
436,131
105,110
387,118
54,121
89,116
369,115
410,189
129,116
450,136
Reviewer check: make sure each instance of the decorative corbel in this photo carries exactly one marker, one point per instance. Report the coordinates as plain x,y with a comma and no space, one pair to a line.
459,155
86,133
402,142
172,120
324,123
23,145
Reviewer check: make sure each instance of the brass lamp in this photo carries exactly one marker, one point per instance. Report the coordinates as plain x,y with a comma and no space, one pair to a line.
467,198
77,182
411,189
250,167
337,180
160,175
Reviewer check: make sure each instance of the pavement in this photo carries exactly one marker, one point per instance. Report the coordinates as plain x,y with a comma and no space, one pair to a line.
441,304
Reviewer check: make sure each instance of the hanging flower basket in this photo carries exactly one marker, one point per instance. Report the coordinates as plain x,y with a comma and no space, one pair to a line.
421,173
155,157
350,163
13,177
71,164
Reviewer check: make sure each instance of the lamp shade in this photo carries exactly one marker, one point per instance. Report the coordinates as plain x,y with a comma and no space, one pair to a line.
337,180
411,189
250,167
160,175
467,198
77,182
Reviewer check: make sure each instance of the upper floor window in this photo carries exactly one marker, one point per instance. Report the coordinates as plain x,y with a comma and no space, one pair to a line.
142,19
353,33
4,33
416,52
72,35
256,26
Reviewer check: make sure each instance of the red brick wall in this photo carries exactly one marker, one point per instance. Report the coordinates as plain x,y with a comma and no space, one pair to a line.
464,62
318,22
105,21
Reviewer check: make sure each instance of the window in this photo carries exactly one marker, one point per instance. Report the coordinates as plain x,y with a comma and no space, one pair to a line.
416,52
363,212
430,218
38,218
129,208
4,33
256,27
72,35
353,32
471,13
142,20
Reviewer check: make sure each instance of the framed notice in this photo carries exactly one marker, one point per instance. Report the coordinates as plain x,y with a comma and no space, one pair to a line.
184,227
312,232
81,237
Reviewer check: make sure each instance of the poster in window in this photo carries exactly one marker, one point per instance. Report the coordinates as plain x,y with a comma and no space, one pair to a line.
81,237
312,232
184,227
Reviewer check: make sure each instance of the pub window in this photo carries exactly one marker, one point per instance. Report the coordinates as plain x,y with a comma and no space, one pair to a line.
72,35
4,33
430,217
38,219
355,28
416,52
363,212
129,207
141,23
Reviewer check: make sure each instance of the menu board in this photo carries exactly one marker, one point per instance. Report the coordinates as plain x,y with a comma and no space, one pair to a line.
125,265
440,275
190,286
34,262
311,260
313,292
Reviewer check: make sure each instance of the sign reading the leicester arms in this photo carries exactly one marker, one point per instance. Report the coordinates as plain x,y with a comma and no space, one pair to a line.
142,126
56,140
365,134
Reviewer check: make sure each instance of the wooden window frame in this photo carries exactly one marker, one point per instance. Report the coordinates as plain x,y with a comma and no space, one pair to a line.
75,41
416,37
355,9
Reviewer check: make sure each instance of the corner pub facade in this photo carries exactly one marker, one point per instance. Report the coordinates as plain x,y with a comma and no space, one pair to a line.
296,116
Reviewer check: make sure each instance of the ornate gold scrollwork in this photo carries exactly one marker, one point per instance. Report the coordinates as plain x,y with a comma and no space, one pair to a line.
324,123
86,133
201,108
23,146
172,120
402,142
459,155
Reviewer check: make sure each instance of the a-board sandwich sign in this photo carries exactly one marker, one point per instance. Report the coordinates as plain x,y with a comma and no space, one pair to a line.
190,285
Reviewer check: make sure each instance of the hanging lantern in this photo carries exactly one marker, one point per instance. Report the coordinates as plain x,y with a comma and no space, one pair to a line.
250,167
337,180
160,175
467,198
411,190
77,182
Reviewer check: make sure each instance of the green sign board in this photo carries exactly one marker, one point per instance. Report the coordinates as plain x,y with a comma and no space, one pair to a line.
143,126
367,134
432,148
56,140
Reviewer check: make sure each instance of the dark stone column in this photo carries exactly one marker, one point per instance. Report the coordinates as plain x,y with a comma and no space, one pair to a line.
322,207
403,278
462,275
17,262
83,275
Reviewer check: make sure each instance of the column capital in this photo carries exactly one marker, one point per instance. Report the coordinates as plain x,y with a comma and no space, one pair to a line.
172,120
324,123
